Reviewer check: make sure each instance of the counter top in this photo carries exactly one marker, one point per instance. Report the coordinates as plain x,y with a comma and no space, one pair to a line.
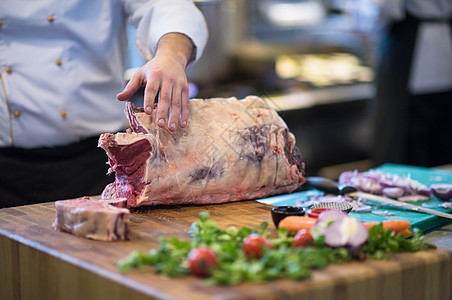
440,237
328,95
41,263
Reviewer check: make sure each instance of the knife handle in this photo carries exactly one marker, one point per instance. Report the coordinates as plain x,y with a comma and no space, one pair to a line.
328,186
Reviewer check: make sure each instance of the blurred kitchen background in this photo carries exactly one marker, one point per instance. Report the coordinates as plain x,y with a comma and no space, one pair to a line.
313,60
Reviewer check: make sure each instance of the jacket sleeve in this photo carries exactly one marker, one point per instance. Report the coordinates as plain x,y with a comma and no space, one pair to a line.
155,18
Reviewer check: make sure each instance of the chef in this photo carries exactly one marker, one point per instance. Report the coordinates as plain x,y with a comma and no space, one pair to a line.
61,70
414,84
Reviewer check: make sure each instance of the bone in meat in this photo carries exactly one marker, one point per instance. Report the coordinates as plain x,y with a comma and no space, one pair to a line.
230,150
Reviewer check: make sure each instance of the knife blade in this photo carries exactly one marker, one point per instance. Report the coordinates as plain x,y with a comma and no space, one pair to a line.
329,186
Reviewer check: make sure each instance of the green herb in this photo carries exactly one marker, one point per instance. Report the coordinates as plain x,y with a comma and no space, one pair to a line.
283,260
381,242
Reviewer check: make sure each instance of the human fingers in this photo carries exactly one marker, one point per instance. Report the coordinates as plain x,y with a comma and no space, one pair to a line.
164,103
132,87
150,92
175,108
184,107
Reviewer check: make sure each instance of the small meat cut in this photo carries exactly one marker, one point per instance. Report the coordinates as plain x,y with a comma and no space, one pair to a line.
230,150
93,219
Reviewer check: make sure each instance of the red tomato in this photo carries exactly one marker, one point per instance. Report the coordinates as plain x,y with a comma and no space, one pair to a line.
201,260
254,245
303,238
315,212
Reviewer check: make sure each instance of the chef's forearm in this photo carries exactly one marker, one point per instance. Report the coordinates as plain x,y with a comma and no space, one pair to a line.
177,45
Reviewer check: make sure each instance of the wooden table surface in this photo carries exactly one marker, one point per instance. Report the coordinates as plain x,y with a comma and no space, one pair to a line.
37,262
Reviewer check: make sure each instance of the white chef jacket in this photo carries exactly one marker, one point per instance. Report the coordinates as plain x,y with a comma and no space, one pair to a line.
432,61
62,63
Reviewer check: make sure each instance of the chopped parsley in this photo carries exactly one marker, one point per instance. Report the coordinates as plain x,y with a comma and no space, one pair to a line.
282,261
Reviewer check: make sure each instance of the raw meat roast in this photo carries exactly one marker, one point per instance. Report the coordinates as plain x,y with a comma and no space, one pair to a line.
230,150
93,219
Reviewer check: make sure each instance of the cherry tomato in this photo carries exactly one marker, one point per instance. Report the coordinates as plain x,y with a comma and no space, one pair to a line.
303,238
201,260
254,245
315,212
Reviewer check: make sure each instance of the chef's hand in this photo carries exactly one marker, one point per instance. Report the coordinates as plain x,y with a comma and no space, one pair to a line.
165,73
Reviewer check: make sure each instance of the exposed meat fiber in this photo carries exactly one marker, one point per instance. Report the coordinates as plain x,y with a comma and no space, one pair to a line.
230,150
93,219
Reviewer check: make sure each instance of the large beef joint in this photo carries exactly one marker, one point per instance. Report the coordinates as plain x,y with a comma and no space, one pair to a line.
230,150
98,220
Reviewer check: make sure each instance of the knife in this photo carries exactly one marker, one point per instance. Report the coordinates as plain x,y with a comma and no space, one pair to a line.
331,187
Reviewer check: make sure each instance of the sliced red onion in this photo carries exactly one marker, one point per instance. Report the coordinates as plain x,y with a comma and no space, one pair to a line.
323,199
359,237
384,182
442,190
363,208
346,232
393,192
382,213
340,230
446,205
422,190
376,189
334,235
325,219
330,215
413,198
373,174
377,182
345,177
365,184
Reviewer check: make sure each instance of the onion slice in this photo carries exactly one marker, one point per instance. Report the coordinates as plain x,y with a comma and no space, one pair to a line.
393,192
446,205
442,190
382,213
360,235
340,230
413,198
325,219
334,235
387,184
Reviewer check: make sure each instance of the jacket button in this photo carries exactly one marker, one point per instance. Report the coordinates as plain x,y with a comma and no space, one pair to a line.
58,62
50,19
17,113
9,70
1,23
63,113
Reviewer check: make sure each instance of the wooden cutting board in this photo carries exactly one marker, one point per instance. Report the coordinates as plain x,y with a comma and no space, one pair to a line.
37,262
